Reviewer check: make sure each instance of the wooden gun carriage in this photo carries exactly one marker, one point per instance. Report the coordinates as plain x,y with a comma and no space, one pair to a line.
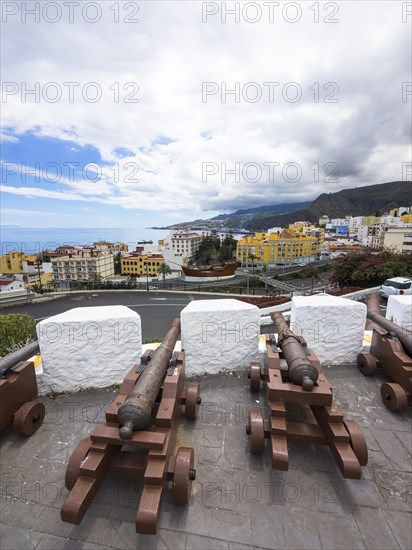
305,384
131,421
391,350
18,389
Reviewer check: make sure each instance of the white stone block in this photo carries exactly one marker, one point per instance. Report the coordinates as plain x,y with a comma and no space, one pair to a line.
88,347
219,335
332,326
399,311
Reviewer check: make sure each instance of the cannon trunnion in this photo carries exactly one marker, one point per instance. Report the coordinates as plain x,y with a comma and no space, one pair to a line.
101,453
317,419
391,350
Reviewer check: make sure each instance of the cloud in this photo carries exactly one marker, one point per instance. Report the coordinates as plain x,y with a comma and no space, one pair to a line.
152,115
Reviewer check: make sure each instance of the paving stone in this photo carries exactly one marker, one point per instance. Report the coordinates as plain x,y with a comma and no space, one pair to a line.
230,489
362,492
210,456
51,542
375,530
163,540
300,529
401,526
339,531
251,506
15,538
227,525
394,450
212,437
267,527
22,513
236,448
395,488
190,519
195,542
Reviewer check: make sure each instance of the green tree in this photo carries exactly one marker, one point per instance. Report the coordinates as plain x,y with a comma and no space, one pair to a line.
369,268
164,269
227,248
117,263
252,257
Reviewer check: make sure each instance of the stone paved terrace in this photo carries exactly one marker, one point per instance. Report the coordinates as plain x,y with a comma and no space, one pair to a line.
238,501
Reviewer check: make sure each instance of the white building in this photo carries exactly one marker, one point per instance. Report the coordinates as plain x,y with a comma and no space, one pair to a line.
398,239
7,285
179,247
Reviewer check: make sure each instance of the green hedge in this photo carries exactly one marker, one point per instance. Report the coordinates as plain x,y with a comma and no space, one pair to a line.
16,330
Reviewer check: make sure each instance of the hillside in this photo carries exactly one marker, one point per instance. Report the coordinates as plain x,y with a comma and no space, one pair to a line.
357,201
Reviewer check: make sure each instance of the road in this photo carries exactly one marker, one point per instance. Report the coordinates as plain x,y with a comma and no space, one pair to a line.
156,309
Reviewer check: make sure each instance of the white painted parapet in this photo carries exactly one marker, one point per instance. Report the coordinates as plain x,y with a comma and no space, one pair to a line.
399,311
88,347
219,335
332,326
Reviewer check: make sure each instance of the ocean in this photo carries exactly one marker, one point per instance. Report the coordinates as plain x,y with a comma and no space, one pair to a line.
35,240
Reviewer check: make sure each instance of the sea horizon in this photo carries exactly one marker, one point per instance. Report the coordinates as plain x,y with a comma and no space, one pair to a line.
37,239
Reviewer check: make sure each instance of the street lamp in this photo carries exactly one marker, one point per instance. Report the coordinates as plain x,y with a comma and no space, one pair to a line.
39,263
147,276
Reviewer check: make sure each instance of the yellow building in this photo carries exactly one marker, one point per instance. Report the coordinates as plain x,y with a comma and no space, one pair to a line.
270,249
406,218
308,230
141,264
12,262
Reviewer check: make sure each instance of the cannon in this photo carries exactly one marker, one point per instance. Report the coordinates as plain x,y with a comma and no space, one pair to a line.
391,350
301,406
137,439
18,389
301,370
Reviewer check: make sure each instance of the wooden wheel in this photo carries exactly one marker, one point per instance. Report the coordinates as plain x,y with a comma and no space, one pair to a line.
367,364
73,467
28,418
394,397
254,376
193,400
256,430
357,441
183,475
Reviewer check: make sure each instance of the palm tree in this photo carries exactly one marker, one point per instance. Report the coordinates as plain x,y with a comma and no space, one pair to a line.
253,257
164,269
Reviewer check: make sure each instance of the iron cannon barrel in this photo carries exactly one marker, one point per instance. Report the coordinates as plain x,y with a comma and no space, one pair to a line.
301,370
374,315
135,413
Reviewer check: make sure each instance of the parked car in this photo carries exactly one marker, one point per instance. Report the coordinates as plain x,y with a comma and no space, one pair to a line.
395,286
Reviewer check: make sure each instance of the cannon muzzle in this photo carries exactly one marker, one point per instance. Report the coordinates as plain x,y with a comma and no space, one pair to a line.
374,315
135,413
301,370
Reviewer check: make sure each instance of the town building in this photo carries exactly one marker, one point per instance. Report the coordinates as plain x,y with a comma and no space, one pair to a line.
179,247
9,285
263,249
17,262
136,265
398,238
82,268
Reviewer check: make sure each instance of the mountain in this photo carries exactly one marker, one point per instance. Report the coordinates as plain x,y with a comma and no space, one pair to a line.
357,201
268,208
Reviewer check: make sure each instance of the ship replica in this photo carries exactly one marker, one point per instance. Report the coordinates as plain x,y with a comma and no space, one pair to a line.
221,271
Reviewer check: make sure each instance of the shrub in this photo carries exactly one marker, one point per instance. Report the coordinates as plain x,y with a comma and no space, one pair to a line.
370,268
16,330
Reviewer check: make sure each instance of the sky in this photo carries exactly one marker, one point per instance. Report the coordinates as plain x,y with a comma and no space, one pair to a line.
122,114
